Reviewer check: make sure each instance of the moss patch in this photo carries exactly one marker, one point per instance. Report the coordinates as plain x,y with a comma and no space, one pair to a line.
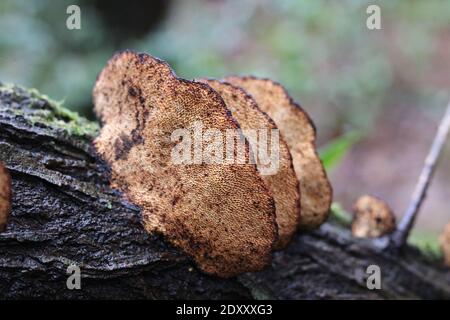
427,243
39,109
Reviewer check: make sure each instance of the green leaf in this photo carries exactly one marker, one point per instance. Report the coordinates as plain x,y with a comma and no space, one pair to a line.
340,214
333,152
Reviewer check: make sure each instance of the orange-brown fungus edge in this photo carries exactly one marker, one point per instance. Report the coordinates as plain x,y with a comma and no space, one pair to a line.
445,244
5,196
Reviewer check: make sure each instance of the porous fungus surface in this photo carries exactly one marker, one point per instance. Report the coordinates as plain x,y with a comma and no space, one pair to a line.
221,215
282,182
299,132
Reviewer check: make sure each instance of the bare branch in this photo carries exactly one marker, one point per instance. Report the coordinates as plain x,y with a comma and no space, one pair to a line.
404,227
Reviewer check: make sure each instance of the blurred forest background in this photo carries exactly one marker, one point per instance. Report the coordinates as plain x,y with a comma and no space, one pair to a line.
376,96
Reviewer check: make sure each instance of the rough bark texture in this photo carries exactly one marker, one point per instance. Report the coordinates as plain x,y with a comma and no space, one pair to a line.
64,212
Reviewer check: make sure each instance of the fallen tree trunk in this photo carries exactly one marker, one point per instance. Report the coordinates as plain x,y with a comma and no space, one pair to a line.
64,213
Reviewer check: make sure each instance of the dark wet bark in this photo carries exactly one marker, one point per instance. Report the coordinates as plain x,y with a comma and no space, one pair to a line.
63,213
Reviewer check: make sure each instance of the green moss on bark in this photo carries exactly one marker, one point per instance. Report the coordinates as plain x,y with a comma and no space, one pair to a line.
43,111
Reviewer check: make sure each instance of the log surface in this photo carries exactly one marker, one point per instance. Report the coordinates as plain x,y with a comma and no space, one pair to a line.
64,212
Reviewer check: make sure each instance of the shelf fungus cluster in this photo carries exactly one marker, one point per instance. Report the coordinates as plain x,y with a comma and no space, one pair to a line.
226,170
5,196
300,134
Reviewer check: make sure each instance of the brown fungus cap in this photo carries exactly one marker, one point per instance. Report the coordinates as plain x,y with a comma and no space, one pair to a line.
280,177
221,215
372,218
445,244
300,135
5,196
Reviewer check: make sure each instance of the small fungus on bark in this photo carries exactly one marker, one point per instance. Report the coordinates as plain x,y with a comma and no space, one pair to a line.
372,218
5,196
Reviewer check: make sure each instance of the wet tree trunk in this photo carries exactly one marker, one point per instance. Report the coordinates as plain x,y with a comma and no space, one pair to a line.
64,213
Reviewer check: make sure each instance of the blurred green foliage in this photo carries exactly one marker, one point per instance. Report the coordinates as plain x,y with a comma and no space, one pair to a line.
321,50
333,152
427,242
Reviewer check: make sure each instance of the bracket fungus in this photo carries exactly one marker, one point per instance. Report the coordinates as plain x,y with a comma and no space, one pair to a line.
299,132
280,178
5,196
221,215
372,218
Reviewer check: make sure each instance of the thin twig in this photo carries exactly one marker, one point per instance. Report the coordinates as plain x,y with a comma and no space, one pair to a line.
404,227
